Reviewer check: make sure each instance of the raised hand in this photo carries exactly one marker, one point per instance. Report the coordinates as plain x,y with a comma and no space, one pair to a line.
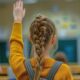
18,11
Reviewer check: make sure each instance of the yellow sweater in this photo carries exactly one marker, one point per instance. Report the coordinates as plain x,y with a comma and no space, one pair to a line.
17,59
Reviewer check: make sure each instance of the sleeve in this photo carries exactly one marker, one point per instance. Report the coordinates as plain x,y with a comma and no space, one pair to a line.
16,57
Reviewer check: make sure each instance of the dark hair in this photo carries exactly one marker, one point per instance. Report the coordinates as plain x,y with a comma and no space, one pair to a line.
41,30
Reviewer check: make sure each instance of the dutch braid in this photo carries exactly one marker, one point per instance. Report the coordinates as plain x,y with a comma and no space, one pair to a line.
41,30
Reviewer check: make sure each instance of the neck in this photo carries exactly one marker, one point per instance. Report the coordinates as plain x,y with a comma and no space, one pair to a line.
45,54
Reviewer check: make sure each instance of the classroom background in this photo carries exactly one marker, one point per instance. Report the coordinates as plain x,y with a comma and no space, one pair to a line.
66,16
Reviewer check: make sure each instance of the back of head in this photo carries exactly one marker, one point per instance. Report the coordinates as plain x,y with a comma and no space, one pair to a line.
61,57
41,30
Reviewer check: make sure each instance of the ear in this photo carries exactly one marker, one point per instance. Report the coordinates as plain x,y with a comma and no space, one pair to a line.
53,40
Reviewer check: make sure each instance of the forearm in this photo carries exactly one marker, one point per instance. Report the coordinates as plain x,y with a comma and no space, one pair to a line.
16,34
16,42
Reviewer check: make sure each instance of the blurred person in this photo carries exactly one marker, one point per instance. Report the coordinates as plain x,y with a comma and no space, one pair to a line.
43,38
60,56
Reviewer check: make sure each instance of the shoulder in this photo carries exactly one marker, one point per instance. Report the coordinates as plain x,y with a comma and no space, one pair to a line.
66,69
65,66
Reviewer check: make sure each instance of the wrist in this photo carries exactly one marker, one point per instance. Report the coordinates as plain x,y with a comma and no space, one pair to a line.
17,21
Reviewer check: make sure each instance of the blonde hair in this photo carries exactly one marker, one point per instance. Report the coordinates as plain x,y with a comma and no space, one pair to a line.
41,30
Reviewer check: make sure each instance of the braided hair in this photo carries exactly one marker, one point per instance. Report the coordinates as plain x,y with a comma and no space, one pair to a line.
41,30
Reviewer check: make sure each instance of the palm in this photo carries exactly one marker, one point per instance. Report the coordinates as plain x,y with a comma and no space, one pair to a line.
18,10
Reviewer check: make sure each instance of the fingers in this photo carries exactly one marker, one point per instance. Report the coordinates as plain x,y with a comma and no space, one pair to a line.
19,4
18,10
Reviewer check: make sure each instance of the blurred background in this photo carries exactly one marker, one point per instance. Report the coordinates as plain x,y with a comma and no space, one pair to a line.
66,16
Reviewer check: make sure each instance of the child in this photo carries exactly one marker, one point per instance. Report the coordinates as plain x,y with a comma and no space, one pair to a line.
43,38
